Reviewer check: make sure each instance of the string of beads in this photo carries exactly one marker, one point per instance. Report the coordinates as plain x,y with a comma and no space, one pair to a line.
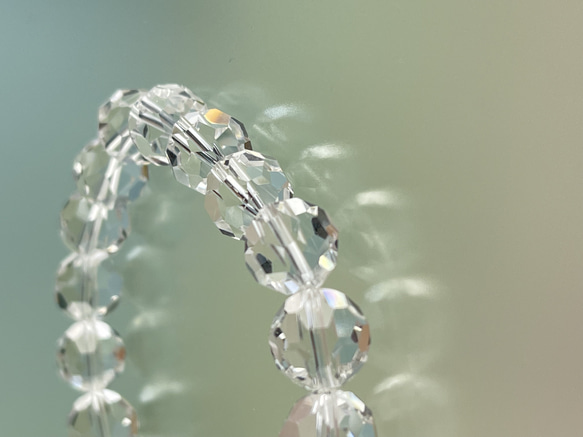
319,338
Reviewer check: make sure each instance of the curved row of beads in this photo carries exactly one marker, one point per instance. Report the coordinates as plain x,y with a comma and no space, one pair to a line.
94,223
319,338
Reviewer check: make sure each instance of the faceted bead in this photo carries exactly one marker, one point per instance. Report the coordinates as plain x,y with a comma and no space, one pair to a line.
87,285
90,354
319,338
104,178
335,414
90,170
102,414
113,124
153,116
128,180
291,245
87,225
199,139
77,215
239,186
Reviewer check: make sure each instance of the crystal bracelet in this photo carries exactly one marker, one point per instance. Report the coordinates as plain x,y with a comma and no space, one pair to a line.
319,338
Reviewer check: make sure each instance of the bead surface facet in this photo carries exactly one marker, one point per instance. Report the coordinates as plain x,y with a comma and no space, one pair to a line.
200,139
239,186
152,118
102,414
87,285
335,414
291,245
90,354
319,338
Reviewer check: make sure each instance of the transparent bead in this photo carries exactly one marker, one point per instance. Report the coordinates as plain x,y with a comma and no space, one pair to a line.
104,178
128,180
153,116
87,285
90,170
336,414
113,125
199,139
102,414
87,225
239,186
319,338
291,245
90,354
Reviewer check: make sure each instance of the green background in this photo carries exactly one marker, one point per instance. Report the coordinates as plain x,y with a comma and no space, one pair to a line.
445,138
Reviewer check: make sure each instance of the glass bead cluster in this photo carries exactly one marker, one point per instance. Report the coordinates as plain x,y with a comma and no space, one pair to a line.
319,338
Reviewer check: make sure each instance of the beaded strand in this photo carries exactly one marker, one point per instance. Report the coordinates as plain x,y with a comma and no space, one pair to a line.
319,338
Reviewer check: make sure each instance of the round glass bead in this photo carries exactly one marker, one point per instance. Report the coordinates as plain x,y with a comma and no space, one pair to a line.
113,124
90,354
152,118
87,225
103,178
87,285
291,245
128,180
319,338
198,140
335,414
102,414
90,170
239,186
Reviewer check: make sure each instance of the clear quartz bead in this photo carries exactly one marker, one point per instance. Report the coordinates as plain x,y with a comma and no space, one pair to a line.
198,140
335,414
104,178
113,125
291,245
239,186
90,170
90,354
128,180
87,225
87,285
319,338
102,414
152,118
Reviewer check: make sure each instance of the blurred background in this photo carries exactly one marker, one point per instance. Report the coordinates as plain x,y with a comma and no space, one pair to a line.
444,139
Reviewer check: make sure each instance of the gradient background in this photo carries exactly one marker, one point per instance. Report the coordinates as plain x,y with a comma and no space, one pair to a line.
445,138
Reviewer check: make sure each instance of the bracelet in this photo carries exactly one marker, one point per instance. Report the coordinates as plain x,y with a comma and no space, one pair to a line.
319,338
